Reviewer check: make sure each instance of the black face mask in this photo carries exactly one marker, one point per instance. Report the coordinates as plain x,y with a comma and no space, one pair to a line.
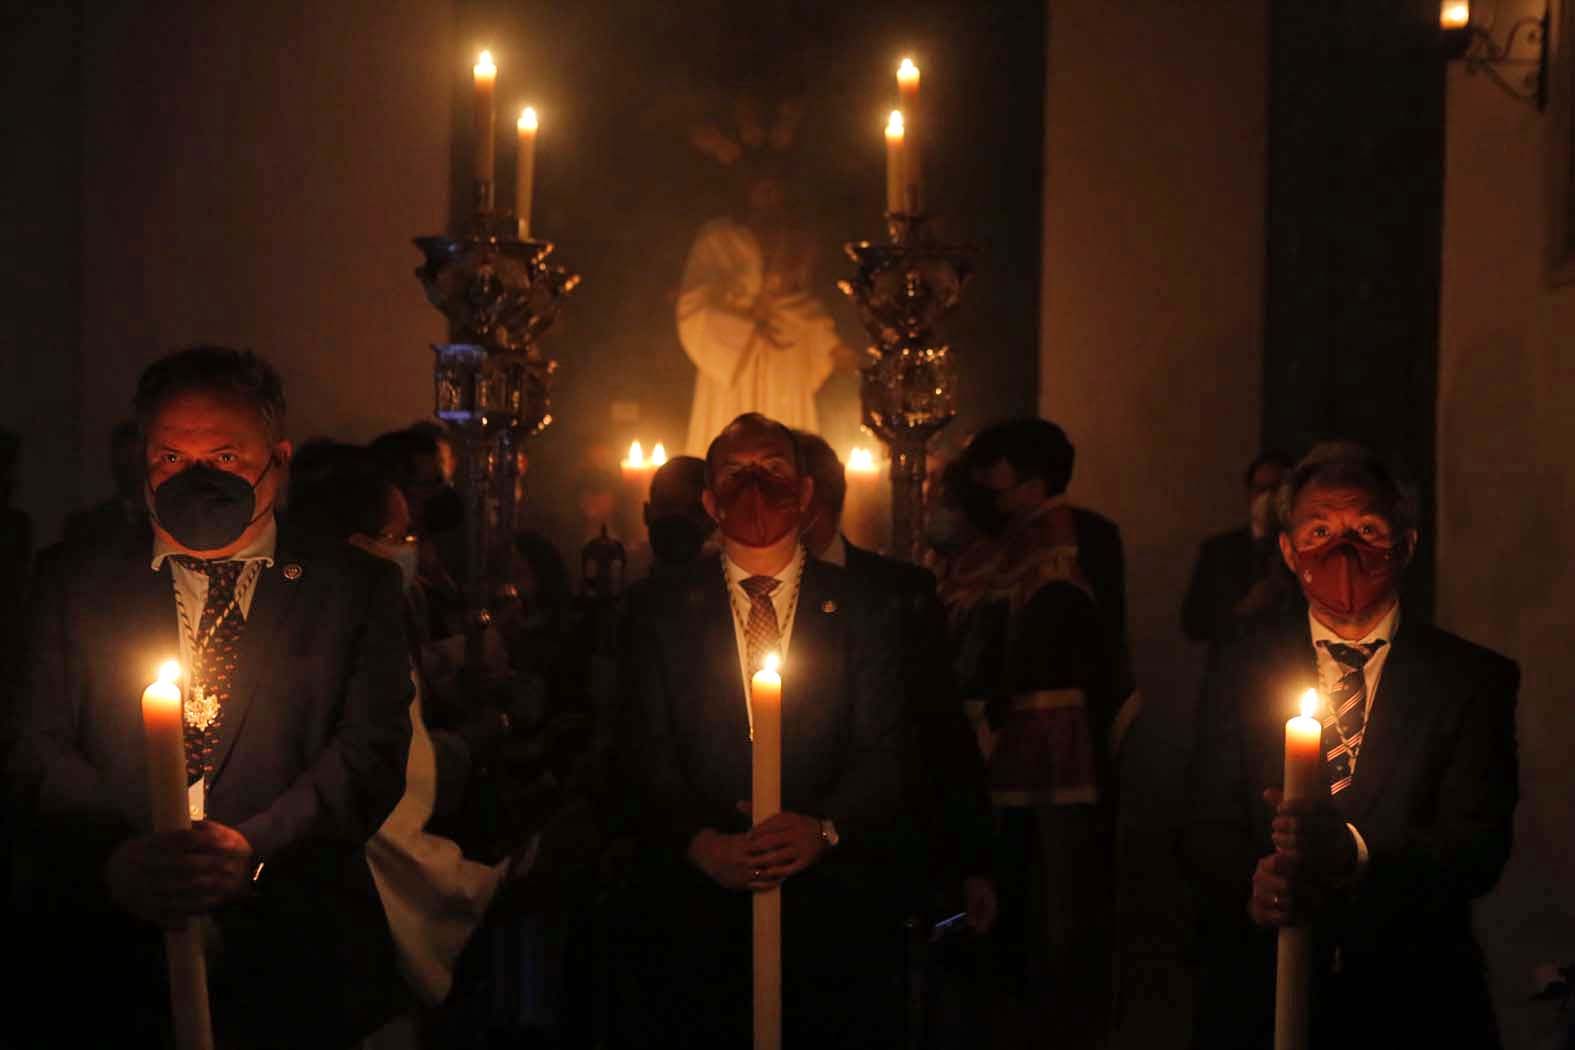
979,505
204,508
443,511
677,539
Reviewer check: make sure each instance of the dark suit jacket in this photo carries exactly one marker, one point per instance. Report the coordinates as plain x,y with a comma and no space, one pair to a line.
685,755
949,794
310,761
1433,797
689,729
1227,567
1100,556
1222,575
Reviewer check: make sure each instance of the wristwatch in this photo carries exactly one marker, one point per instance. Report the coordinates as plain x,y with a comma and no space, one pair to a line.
828,833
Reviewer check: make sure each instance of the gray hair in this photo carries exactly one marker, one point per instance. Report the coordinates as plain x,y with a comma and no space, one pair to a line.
1348,463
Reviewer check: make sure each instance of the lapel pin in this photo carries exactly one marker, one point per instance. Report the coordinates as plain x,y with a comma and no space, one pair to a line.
828,607
292,571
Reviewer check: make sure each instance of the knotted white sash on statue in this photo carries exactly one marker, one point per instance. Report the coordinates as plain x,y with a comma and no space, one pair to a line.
754,355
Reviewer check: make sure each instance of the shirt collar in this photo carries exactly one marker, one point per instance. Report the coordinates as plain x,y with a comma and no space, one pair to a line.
262,549
836,552
736,575
1384,629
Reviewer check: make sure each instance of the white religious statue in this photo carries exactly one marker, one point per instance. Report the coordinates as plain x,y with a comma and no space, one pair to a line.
748,315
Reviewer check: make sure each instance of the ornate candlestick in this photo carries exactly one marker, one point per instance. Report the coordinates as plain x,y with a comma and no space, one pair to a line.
492,383
908,382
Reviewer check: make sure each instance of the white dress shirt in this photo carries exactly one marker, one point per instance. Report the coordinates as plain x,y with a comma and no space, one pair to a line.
1330,671
784,600
191,587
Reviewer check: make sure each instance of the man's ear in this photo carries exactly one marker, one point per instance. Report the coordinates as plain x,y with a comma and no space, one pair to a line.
282,451
708,501
1412,537
1288,553
806,492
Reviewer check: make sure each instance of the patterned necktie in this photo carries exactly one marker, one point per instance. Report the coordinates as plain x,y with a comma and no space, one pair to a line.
215,653
762,635
1345,720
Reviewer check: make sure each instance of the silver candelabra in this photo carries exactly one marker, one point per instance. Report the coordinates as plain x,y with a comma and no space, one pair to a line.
492,383
908,380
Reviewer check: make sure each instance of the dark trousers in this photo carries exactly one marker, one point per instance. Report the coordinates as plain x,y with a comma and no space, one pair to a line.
681,962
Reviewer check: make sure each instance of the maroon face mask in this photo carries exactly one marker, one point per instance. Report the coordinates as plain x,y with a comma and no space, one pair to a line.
1348,575
757,509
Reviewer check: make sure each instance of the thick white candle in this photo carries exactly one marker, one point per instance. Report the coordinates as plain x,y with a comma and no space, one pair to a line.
164,733
765,705
866,509
1303,781
525,172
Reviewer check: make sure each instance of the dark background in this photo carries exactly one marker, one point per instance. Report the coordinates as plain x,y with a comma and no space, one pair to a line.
619,84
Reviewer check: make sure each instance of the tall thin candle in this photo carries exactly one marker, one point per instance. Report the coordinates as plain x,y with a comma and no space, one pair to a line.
913,126
895,135
525,170
484,115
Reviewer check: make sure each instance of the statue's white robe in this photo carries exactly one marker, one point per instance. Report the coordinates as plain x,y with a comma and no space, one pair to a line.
741,368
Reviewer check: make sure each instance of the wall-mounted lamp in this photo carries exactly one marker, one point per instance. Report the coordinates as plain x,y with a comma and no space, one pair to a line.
1518,63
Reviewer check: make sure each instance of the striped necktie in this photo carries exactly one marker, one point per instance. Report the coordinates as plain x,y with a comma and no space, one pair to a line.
762,634
1345,719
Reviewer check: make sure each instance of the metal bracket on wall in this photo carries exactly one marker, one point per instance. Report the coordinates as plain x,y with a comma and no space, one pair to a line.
1518,64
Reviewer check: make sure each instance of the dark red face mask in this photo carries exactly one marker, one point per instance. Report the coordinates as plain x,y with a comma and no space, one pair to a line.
1348,575
757,508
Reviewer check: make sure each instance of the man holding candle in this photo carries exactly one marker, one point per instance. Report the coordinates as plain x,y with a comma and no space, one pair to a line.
1419,788
694,641
295,739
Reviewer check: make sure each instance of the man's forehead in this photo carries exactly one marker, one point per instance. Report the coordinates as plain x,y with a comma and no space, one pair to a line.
755,444
203,414
1318,498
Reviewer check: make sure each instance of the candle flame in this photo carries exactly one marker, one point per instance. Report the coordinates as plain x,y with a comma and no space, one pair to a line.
1454,14
771,663
484,66
894,126
1310,704
527,121
861,460
169,671
636,455
907,71
658,455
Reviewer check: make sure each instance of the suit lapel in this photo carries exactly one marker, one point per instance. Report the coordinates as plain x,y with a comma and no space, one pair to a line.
1396,713
152,610
810,627
714,626
275,597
